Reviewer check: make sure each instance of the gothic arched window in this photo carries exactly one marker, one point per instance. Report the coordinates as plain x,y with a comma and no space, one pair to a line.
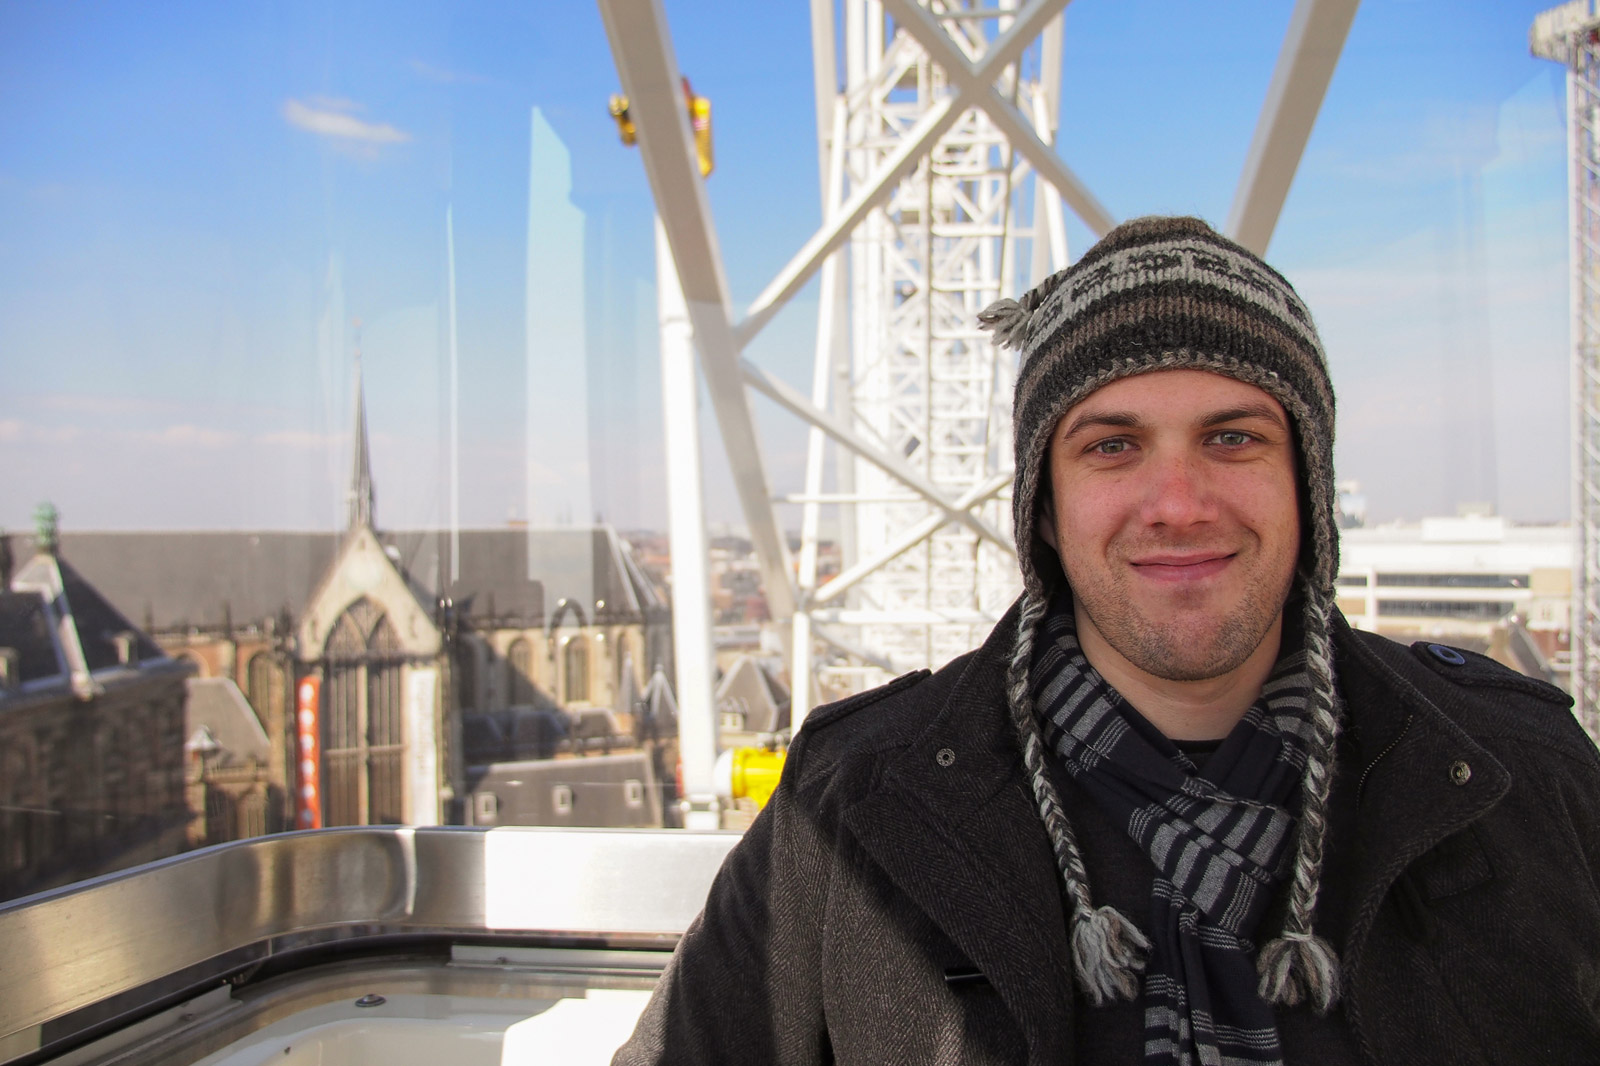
363,726
520,658
576,654
262,686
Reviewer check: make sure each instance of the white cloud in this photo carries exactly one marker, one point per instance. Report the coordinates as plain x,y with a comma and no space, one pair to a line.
336,122
10,429
335,103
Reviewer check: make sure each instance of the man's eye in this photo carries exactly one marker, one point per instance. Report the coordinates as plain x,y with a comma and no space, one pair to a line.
1233,438
1114,446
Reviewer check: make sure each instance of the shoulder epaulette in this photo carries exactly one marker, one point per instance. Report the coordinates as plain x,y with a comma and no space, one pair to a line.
1471,669
835,711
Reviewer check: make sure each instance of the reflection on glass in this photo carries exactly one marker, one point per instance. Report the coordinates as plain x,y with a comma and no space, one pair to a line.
334,340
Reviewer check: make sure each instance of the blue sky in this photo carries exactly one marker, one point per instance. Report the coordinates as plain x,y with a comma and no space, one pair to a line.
197,201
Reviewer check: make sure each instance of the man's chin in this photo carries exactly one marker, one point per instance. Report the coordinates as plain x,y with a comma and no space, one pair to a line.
1200,654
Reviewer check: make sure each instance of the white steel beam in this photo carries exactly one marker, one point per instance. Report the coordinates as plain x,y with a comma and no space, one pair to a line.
835,231
1002,52
829,305
825,86
642,48
855,651
691,588
913,536
1049,227
977,90
1054,224
1311,47
785,396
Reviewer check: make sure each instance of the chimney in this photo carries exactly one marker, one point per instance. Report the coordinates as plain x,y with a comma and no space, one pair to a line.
127,643
10,670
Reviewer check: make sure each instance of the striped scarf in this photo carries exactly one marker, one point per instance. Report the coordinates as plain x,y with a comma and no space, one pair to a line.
1220,840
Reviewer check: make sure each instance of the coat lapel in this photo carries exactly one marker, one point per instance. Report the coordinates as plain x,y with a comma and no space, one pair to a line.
953,825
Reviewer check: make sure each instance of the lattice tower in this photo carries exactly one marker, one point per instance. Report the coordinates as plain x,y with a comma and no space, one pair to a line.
1570,35
923,381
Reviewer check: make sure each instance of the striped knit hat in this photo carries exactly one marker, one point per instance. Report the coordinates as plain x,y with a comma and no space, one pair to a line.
1168,294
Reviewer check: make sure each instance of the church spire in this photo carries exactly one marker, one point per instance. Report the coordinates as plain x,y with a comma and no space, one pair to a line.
360,494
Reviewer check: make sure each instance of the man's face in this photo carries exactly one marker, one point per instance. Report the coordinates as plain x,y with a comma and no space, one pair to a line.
1174,512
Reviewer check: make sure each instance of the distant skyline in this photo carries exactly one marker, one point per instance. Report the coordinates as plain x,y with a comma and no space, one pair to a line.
197,202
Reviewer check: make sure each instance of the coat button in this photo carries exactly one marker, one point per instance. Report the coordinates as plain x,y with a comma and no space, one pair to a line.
944,757
1460,772
1447,655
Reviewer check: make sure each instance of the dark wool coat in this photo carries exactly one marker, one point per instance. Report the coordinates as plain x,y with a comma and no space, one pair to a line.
897,901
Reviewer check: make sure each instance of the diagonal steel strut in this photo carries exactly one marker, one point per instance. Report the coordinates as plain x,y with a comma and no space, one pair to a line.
1003,51
648,69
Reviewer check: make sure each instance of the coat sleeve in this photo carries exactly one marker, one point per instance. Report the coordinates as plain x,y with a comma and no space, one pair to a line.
745,984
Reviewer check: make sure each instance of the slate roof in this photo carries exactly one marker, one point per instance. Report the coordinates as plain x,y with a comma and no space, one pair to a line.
50,590
216,705
98,622
747,690
183,579
23,626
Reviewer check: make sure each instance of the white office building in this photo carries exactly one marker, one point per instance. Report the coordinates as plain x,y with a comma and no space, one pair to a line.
1475,580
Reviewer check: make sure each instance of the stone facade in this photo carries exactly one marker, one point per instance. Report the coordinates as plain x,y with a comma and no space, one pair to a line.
91,735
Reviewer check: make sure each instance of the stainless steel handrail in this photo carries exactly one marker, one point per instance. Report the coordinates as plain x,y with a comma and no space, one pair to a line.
73,947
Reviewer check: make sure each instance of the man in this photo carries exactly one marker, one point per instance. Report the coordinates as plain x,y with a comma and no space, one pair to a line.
1174,810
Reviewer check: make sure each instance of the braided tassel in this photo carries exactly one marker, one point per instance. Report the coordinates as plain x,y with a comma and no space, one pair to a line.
1299,965
1108,950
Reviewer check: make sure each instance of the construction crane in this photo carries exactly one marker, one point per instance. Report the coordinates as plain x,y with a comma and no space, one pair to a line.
1570,35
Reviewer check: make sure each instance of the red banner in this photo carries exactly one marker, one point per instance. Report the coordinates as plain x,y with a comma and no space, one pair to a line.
308,804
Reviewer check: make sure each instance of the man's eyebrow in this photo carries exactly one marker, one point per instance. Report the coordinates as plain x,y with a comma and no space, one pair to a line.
1116,419
1244,411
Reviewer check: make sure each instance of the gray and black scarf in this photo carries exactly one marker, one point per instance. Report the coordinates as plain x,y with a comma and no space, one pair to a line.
1220,838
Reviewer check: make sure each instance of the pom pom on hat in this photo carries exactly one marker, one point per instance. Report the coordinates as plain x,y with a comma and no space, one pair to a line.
1007,320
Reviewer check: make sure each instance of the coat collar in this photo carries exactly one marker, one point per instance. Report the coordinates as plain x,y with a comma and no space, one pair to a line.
953,824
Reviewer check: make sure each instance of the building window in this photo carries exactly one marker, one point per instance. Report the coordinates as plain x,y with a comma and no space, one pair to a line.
363,737
261,686
1466,610
1352,580
467,675
576,655
1455,581
520,658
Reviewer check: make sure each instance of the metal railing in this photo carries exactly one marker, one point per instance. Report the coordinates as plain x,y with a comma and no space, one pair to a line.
206,914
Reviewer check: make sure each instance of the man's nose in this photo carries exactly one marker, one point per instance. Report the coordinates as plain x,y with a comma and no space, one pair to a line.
1180,492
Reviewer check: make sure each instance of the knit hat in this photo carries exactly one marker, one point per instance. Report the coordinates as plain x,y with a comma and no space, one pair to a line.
1168,294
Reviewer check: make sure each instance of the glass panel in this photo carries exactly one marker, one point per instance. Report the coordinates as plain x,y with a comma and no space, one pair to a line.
333,344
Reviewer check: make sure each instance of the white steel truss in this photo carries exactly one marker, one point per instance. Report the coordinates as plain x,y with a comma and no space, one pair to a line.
937,171
923,382
1570,35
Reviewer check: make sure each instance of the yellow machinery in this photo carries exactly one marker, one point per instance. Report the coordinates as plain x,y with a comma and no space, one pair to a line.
699,109
749,772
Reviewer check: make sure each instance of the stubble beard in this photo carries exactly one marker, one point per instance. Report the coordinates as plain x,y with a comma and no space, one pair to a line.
1185,645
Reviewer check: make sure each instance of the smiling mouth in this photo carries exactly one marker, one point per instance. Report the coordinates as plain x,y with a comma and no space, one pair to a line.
1182,568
